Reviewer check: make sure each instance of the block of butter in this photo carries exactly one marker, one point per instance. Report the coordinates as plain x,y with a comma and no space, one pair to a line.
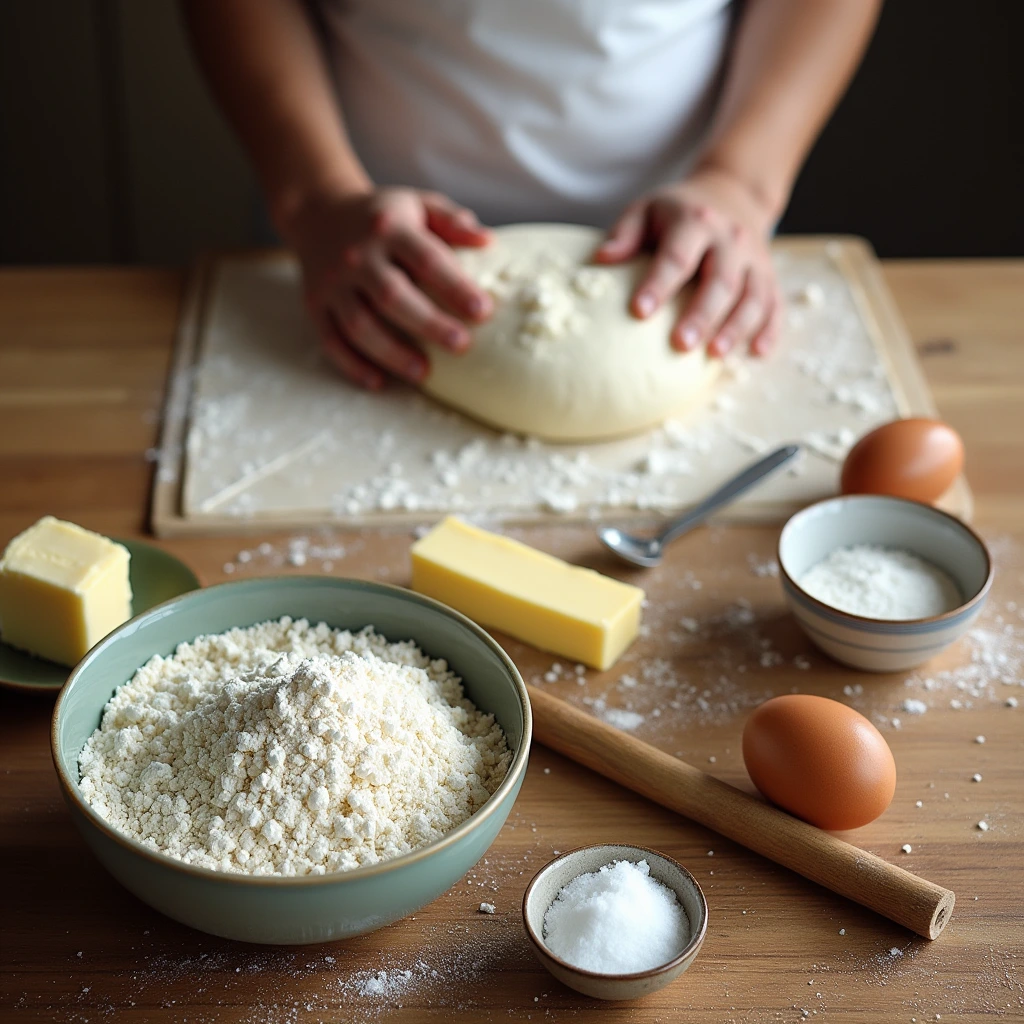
62,589
535,597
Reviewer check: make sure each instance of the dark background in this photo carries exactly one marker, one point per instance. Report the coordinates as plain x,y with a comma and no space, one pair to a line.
111,151
925,154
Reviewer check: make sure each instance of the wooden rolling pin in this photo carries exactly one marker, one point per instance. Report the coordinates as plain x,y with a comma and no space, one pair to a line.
902,897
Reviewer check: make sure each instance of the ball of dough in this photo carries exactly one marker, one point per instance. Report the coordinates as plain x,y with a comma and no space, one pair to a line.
562,358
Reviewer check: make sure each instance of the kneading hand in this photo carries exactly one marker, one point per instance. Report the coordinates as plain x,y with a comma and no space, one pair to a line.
379,274
711,227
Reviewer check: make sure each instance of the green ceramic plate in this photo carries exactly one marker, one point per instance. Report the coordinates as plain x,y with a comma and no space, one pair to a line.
155,576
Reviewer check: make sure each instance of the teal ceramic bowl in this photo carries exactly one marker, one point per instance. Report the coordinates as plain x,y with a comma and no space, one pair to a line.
310,908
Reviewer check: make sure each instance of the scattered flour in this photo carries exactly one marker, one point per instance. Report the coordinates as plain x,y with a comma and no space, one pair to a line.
622,719
182,976
994,659
881,583
719,659
617,920
317,552
291,749
763,567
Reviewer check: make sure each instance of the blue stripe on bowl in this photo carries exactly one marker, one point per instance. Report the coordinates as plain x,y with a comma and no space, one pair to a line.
879,627
832,639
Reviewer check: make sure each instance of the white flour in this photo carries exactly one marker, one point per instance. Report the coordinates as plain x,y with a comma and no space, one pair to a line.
881,583
549,305
291,749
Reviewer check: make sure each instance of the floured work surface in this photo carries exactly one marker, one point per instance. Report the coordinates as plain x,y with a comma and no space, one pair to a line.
259,431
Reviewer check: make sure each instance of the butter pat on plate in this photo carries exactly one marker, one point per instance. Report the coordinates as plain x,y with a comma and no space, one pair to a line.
575,612
62,589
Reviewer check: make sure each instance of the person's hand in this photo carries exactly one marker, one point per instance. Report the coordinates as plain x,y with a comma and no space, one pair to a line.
713,228
381,282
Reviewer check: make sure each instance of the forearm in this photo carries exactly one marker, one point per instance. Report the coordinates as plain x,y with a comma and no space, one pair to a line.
265,67
791,61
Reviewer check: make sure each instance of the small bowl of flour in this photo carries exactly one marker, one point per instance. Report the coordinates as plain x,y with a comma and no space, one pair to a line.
615,922
258,762
882,583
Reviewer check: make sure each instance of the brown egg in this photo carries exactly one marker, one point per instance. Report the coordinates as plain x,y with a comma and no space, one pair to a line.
913,458
820,760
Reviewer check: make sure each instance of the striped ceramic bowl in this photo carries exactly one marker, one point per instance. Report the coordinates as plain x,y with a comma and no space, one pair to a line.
881,645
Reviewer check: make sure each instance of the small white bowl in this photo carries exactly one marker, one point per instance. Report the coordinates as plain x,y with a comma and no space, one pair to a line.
882,645
552,878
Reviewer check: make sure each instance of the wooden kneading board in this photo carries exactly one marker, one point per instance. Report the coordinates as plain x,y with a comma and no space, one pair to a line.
259,433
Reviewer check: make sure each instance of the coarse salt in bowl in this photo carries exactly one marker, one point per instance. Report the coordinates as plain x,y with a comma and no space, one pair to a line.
880,644
552,879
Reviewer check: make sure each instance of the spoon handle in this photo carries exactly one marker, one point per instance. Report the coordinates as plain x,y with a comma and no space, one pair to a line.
728,491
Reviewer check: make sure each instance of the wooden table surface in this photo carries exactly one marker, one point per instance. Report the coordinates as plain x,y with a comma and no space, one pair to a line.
83,356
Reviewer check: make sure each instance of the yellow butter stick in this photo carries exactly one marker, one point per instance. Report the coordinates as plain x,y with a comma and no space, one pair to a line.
565,609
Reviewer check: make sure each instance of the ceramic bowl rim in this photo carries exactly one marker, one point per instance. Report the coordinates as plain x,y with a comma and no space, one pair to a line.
237,878
978,597
696,938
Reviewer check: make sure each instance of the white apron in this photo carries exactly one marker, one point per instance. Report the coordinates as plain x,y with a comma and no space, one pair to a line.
528,109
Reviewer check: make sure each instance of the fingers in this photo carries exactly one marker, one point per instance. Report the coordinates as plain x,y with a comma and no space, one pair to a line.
764,340
397,301
748,316
675,262
381,279
344,356
435,268
453,223
721,281
361,330
700,229
625,237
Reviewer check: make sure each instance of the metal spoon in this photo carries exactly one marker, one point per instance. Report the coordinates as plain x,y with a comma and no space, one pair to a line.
648,552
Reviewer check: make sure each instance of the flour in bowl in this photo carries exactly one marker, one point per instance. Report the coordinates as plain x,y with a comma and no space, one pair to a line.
291,749
881,583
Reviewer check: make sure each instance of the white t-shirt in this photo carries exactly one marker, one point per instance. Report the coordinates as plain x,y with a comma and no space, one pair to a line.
528,109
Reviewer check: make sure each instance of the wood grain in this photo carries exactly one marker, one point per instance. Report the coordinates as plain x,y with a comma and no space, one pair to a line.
76,946
913,902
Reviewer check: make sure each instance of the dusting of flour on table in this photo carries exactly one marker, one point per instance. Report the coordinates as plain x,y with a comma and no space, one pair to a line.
291,749
881,583
617,920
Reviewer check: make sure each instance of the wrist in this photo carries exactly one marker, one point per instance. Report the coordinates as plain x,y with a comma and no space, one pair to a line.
768,196
290,202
